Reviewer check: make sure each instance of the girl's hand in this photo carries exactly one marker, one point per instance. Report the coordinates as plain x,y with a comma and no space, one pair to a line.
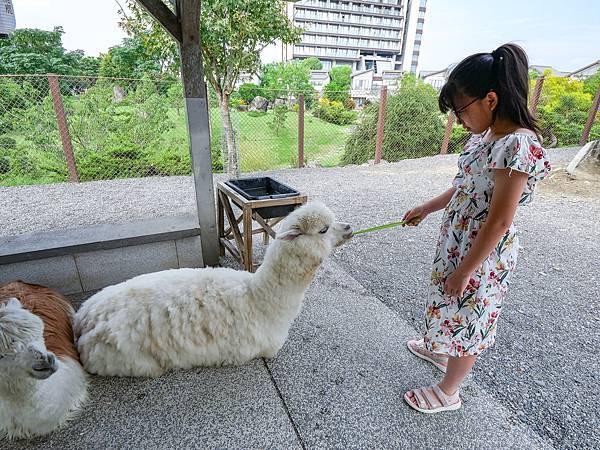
415,216
456,284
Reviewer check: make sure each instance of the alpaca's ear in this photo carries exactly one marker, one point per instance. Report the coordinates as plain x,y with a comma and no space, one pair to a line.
13,303
290,235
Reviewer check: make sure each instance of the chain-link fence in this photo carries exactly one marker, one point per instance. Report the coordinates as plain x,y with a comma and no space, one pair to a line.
55,129
59,128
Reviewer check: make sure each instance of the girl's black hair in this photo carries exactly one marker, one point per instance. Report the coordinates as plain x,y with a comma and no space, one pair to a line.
504,71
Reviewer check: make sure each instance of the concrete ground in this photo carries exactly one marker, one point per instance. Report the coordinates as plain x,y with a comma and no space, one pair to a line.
338,381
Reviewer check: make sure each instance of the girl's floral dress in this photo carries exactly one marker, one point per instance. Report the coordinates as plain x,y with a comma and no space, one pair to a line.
467,325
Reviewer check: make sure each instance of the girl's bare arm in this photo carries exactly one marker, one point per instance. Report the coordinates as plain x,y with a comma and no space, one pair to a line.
439,202
422,211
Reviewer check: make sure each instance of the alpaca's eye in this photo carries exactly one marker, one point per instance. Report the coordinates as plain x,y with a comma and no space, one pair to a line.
324,230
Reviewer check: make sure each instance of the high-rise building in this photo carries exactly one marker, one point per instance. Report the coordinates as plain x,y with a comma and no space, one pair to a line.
364,34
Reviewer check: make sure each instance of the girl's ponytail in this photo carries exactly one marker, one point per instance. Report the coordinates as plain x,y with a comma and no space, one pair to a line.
509,78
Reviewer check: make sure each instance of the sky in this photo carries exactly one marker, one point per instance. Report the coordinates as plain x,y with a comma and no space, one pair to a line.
559,33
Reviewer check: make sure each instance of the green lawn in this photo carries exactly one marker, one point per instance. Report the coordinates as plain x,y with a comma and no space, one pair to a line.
262,149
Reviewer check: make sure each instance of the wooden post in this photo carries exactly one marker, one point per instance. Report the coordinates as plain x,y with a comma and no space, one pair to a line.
380,124
447,133
301,131
247,226
192,74
535,96
590,120
63,128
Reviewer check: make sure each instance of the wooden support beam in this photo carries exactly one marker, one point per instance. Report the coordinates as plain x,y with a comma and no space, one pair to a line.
194,87
164,16
184,26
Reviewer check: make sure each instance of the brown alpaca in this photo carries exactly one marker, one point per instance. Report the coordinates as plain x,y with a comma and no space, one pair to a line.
55,311
42,382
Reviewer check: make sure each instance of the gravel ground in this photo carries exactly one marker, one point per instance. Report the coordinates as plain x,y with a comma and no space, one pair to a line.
544,367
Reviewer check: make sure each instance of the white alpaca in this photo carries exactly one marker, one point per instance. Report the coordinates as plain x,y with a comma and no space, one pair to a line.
41,384
206,317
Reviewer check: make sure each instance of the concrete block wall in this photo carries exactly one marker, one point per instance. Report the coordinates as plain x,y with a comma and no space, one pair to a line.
85,260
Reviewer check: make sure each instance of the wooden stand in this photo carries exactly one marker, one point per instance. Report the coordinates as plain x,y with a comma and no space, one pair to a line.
242,249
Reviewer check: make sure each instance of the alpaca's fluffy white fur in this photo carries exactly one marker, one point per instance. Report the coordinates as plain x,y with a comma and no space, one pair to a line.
211,316
38,392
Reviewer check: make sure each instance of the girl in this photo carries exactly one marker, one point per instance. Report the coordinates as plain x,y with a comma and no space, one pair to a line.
478,244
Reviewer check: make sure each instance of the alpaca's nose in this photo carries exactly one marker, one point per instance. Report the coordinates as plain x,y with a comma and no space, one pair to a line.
347,227
45,366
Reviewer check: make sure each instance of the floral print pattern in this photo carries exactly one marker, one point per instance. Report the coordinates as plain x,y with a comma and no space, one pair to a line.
467,325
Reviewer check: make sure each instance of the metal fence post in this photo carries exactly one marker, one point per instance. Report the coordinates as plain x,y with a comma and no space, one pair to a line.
63,128
301,131
590,120
535,96
380,124
447,134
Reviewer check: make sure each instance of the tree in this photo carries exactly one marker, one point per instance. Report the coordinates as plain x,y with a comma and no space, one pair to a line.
413,125
284,79
232,35
278,121
128,60
338,88
313,63
33,51
158,46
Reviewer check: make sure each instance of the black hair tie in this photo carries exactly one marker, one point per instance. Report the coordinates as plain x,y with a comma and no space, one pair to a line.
496,59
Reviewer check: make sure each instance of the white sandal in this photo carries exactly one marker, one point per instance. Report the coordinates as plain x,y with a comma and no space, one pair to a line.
432,400
415,345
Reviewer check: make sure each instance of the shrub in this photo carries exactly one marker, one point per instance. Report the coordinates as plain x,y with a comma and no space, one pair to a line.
248,91
278,120
334,112
350,104
458,139
413,126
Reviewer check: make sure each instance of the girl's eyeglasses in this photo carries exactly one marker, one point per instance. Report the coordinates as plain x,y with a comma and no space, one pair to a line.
458,112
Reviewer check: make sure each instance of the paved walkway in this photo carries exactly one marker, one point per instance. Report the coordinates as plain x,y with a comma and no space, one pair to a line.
338,381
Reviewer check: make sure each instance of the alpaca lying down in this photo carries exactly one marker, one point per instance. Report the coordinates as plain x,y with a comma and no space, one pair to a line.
42,382
211,316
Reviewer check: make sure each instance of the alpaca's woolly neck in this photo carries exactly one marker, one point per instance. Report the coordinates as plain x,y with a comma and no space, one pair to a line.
279,283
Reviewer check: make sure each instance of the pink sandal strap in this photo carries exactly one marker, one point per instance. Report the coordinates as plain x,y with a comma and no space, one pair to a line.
432,399
446,399
419,347
421,400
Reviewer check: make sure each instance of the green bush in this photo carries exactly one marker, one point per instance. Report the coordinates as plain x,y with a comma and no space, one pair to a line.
334,112
7,143
563,109
248,91
413,126
338,89
118,160
458,139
